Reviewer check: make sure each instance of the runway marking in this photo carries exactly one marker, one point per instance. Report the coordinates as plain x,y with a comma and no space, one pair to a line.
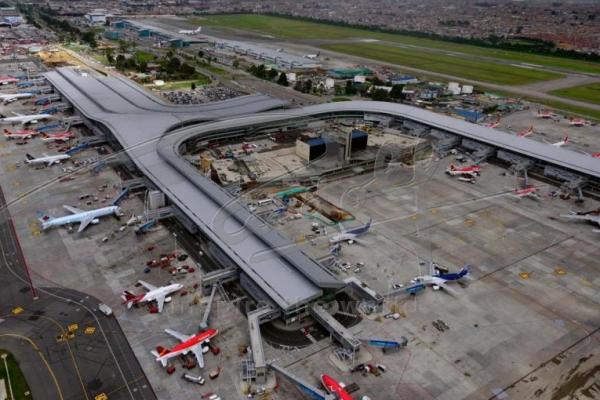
73,328
37,349
17,310
101,396
90,330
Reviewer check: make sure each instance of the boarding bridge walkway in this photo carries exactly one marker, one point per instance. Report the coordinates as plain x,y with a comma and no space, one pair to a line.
335,329
307,387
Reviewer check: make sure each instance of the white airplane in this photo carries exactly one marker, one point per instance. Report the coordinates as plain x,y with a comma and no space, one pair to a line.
438,280
8,98
189,343
530,191
562,143
592,217
350,235
190,31
154,293
25,119
83,217
64,136
312,56
46,159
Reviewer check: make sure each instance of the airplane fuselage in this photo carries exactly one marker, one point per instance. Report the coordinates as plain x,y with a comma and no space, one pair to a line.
92,215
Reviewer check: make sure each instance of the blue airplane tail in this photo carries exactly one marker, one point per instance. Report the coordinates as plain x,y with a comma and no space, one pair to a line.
455,275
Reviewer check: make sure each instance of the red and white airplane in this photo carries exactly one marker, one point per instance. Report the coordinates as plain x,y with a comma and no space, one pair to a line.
57,136
335,388
595,155
189,343
546,114
562,143
530,191
577,122
158,294
525,132
494,124
20,134
8,80
473,170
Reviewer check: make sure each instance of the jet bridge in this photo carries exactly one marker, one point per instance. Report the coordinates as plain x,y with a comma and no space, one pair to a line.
307,387
335,329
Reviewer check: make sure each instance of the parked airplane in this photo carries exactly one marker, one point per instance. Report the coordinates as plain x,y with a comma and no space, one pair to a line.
577,122
8,98
57,136
8,80
546,114
563,142
83,217
46,159
525,132
595,155
158,294
473,170
530,191
350,235
335,388
25,119
312,56
592,217
21,134
189,343
438,280
494,124
190,31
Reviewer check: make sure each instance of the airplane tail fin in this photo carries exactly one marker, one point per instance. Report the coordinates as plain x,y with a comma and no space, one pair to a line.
452,167
29,156
159,353
129,298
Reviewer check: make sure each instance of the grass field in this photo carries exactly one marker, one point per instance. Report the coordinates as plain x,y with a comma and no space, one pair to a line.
286,28
176,85
143,56
17,379
447,64
589,93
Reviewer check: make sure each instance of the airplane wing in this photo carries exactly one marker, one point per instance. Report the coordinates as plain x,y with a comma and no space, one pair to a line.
177,335
72,210
160,301
148,286
197,350
84,223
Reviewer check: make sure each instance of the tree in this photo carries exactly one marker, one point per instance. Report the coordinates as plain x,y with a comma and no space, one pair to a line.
123,46
272,74
120,62
89,37
379,95
108,52
350,89
236,63
282,80
193,87
396,92
200,53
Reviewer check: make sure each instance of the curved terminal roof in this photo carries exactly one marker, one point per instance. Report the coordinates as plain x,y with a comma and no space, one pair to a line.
146,127
137,120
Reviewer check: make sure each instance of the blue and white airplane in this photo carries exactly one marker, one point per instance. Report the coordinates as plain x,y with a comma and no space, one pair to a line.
83,217
351,235
439,280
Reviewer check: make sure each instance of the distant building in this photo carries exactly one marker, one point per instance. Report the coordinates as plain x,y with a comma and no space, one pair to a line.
403,80
10,16
96,17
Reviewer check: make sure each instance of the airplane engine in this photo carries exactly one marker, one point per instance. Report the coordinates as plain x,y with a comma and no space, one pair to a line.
95,221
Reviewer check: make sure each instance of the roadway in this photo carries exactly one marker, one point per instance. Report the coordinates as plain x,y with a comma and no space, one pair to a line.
81,367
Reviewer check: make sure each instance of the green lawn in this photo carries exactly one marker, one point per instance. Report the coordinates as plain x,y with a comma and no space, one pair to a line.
287,28
447,64
17,379
176,85
589,93
143,56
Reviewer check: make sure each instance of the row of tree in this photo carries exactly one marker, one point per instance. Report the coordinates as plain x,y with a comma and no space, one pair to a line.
271,74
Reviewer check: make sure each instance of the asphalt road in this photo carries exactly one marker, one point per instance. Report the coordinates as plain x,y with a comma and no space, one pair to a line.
96,359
